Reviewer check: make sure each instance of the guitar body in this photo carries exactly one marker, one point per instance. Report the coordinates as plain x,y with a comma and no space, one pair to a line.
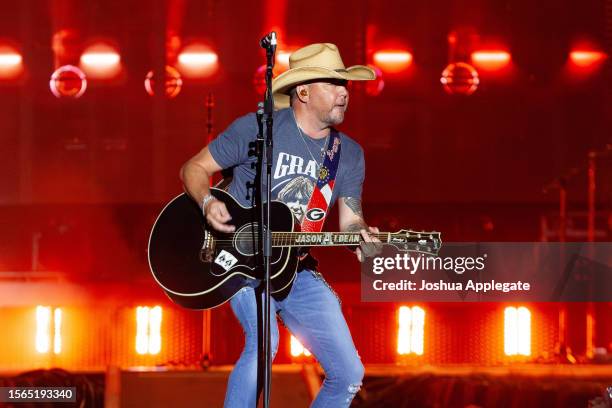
201,268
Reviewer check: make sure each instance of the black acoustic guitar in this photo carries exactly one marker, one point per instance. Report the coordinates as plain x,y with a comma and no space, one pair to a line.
200,268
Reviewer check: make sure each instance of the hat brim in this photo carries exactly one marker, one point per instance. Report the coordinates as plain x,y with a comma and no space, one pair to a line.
282,84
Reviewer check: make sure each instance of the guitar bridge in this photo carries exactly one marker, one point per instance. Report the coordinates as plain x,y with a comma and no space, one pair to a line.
208,248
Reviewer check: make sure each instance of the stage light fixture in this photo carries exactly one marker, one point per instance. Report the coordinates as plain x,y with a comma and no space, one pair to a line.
173,82
517,331
491,60
9,59
45,330
587,58
155,320
101,61
148,329
460,78
198,61
68,81
43,325
392,61
297,349
411,330
282,59
11,64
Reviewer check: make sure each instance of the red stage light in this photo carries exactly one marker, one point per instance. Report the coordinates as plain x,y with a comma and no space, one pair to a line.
410,330
460,79
101,61
43,327
68,81
392,61
148,329
198,61
491,60
282,59
174,82
587,59
46,329
11,64
517,331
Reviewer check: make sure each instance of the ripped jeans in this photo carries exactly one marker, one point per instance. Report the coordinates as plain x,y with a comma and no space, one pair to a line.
312,313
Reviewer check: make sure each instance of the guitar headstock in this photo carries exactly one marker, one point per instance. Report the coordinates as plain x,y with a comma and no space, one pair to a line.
418,241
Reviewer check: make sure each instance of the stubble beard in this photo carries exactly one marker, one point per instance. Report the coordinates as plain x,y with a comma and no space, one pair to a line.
335,116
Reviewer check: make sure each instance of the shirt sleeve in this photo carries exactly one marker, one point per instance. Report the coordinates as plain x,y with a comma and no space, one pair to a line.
352,184
231,147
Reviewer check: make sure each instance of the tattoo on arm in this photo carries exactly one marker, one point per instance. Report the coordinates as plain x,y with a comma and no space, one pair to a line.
355,205
357,226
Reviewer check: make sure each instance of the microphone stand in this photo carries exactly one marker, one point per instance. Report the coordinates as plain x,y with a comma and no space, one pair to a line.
265,155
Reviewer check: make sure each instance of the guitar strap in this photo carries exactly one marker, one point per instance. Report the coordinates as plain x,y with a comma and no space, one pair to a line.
320,200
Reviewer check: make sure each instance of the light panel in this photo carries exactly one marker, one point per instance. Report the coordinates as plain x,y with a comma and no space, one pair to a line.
148,330
48,331
11,63
101,61
517,331
392,61
586,59
198,61
43,326
411,330
491,59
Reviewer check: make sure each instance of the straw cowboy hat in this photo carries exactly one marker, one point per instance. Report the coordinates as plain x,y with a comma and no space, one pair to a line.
315,61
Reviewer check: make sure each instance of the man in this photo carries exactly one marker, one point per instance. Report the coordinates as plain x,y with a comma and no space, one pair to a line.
315,89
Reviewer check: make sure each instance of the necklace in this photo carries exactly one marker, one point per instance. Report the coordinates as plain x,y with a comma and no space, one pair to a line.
306,144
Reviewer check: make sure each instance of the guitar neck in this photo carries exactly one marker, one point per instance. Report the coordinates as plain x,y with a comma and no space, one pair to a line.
314,239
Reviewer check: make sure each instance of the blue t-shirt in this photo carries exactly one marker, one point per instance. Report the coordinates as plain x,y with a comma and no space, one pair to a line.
297,158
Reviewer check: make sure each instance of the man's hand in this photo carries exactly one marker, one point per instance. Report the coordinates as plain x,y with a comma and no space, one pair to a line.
218,216
370,246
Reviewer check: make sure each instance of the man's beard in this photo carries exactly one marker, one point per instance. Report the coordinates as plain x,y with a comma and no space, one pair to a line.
335,116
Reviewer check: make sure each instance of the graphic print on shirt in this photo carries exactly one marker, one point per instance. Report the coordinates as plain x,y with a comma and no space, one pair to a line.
296,194
297,178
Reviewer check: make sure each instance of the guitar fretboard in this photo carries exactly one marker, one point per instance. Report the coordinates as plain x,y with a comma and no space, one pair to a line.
305,239
405,240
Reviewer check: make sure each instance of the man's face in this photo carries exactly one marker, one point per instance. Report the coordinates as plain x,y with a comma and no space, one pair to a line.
297,209
329,100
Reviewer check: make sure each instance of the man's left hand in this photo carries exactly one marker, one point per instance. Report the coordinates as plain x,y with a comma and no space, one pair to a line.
370,246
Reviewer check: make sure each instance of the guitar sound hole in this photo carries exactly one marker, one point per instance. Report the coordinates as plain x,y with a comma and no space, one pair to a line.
245,240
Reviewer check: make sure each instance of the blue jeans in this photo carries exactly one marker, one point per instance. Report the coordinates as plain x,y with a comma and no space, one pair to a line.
312,313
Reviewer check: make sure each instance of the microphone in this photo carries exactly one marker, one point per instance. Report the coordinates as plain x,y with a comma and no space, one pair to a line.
269,41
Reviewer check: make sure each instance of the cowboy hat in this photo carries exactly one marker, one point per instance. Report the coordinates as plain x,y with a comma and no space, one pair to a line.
315,61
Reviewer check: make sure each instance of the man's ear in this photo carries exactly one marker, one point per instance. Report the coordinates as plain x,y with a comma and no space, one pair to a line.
302,93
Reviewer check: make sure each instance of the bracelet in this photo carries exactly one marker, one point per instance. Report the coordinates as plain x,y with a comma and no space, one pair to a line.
207,199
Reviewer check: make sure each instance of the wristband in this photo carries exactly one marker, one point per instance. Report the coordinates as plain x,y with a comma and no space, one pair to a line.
207,199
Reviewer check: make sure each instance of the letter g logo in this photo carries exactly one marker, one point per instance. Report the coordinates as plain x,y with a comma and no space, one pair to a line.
315,214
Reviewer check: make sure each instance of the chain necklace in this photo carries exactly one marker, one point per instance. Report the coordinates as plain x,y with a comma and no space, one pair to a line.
306,144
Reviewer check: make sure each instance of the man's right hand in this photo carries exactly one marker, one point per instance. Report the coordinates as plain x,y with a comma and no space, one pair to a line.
218,216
